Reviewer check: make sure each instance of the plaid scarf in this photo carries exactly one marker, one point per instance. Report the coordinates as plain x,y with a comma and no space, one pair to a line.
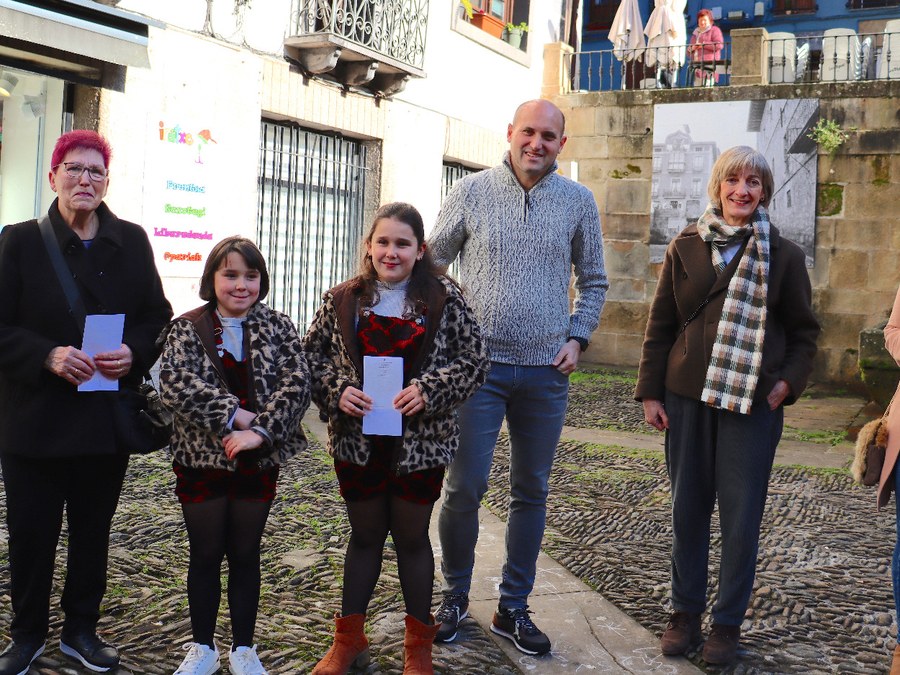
737,353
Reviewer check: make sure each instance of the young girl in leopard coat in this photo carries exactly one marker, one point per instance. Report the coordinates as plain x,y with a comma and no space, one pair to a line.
234,375
398,306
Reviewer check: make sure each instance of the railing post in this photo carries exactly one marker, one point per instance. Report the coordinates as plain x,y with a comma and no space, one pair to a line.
749,56
557,69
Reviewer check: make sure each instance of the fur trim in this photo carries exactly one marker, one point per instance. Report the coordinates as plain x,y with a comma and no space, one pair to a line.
873,433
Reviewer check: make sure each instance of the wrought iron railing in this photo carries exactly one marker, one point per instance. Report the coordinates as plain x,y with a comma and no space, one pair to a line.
837,56
643,68
394,28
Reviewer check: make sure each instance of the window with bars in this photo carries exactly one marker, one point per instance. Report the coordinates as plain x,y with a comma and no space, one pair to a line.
452,173
311,214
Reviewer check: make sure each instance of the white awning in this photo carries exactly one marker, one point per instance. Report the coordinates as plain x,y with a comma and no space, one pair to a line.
79,27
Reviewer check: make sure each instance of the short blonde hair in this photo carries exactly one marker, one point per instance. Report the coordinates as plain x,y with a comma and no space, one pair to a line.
737,160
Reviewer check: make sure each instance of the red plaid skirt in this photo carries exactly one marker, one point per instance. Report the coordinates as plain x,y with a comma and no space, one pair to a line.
379,476
194,485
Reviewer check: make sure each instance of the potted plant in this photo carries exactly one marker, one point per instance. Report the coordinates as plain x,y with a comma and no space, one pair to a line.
514,32
483,20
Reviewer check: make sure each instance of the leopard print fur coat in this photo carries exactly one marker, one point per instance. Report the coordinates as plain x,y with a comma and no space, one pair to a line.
452,364
193,387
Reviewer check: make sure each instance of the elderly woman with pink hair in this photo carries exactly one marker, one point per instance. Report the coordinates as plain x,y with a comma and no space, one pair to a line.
705,49
59,450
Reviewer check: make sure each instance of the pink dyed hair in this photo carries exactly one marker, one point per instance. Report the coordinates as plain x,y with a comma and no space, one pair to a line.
80,138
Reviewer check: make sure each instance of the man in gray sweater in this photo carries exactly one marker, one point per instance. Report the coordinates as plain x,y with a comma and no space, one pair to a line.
520,229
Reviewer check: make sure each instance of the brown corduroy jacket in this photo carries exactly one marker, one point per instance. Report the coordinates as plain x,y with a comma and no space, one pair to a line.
676,359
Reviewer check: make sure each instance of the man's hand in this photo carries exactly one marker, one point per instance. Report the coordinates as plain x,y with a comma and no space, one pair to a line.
779,392
566,359
655,414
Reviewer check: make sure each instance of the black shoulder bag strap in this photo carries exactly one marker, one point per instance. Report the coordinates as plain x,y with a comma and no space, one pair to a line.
76,304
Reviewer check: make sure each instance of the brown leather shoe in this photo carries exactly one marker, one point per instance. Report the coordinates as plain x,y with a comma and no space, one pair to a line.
722,643
682,632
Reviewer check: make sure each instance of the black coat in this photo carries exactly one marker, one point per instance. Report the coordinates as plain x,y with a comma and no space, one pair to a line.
42,415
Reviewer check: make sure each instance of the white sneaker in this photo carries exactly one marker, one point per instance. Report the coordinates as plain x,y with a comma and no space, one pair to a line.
200,660
244,661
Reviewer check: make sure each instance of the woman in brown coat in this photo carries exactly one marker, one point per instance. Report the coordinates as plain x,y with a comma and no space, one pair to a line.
889,477
729,342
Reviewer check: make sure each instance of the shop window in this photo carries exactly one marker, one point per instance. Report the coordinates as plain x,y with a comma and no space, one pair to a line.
31,106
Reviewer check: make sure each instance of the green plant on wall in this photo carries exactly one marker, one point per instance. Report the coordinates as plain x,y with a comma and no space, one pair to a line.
829,135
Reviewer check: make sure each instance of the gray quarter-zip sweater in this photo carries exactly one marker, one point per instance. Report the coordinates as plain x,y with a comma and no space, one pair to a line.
517,250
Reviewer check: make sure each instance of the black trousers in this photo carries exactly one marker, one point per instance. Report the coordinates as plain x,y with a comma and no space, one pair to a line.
87,488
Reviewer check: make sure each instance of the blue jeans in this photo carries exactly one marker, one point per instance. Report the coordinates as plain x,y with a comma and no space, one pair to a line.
533,400
719,455
895,563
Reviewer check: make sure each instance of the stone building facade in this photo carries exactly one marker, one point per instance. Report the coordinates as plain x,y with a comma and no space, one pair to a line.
857,223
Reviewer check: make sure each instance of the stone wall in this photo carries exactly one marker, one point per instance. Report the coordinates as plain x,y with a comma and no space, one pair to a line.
857,258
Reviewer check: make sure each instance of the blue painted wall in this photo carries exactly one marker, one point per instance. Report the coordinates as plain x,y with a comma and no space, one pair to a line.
830,14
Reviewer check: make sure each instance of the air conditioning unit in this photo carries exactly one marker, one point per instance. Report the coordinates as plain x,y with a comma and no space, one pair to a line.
736,15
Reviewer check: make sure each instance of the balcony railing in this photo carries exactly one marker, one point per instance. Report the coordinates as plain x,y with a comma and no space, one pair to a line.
612,69
360,41
840,55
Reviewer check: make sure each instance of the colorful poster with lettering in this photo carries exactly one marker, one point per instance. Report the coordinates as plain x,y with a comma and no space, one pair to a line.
185,215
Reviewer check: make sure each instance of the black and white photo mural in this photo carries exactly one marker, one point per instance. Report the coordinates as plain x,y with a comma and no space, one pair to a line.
687,140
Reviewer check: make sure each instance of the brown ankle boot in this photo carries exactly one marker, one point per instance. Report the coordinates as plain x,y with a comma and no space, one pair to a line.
895,662
722,644
417,646
682,632
350,646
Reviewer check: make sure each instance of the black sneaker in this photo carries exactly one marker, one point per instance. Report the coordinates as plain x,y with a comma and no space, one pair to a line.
453,609
516,625
90,650
17,657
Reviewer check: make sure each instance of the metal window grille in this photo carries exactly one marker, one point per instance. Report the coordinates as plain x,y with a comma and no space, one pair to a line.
452,173
310,221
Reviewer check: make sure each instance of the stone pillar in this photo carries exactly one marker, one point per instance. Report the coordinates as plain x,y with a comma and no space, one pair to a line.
749,57
557,81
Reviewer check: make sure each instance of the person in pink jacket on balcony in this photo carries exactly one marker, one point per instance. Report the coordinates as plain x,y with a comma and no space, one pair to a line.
705,49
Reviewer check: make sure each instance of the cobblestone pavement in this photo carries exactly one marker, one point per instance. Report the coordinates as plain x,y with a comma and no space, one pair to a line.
146,613
822,601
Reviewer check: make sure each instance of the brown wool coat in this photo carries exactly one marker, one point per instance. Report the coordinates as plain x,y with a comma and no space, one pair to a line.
675,360
892,342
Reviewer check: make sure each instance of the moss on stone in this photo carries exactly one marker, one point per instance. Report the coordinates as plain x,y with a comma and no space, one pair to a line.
629,169
830,199
881,170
